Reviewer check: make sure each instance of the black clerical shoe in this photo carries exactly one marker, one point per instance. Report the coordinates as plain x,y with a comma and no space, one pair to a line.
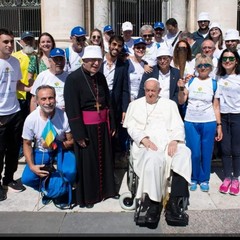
153,213
175,214
89,205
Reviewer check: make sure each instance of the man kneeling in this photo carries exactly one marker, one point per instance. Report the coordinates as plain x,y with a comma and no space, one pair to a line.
159,154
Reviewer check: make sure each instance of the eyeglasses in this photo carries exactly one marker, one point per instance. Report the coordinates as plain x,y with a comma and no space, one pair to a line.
80,39
140,47
94,37
8,41
231,59
148,35
205,65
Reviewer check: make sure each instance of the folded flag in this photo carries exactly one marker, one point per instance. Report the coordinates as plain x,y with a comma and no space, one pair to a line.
49,133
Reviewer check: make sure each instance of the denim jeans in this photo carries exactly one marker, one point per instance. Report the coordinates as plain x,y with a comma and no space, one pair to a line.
230,145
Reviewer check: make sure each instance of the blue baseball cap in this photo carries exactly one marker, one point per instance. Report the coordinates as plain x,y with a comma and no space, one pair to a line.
107,28
159,25
57,52
27,34
138,41
78,31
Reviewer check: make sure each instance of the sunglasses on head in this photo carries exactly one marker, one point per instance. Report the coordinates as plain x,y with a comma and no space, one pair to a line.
147,35
205,65
231,59
94,37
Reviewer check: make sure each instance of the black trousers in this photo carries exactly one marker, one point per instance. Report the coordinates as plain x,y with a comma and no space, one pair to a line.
179,186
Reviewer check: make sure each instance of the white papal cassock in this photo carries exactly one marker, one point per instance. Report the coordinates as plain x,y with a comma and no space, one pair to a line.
162,123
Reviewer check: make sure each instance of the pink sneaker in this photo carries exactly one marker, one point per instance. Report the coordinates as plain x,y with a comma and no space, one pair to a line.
234,189
225,185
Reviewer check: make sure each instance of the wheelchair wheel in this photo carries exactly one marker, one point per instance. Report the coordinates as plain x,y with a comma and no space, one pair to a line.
127,202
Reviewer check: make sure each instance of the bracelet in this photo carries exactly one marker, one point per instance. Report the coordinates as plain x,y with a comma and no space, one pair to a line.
219,124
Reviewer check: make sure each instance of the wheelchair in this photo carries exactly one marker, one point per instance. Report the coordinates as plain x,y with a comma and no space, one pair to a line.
128,200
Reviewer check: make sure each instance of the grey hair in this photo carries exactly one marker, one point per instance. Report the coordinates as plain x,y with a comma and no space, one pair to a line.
145,28
45,87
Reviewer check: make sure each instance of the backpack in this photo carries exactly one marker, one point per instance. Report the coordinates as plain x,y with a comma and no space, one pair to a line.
57,186
183,107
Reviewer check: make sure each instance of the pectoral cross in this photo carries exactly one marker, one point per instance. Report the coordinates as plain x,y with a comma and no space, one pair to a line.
97,105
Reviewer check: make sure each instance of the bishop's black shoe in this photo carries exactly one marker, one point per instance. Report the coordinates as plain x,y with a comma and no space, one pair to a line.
175,214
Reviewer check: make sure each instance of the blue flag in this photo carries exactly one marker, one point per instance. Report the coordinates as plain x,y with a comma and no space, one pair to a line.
49,133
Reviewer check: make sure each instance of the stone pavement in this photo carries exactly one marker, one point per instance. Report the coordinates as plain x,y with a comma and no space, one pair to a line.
211,213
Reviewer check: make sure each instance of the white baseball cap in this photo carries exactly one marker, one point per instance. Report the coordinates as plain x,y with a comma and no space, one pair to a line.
92,51
127,26
231,34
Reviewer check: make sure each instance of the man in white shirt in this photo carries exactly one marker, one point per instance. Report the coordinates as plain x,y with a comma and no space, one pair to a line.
158,152
75,52
55,76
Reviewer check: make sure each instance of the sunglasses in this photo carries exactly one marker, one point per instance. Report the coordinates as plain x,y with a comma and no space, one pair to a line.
140,47
148,35
96,37
109,33
205,65
80,39
231,59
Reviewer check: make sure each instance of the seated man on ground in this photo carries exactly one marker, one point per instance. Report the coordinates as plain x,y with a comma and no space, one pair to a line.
41,154
160,155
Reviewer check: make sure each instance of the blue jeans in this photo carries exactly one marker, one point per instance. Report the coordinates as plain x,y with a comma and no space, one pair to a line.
200,140
230,145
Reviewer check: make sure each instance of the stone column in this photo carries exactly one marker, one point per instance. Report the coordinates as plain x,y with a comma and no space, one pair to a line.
59,17
178,11
101,14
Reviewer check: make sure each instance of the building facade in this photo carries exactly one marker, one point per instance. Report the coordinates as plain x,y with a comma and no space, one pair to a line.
58,17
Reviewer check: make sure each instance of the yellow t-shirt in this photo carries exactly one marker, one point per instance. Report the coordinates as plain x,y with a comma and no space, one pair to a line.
24,62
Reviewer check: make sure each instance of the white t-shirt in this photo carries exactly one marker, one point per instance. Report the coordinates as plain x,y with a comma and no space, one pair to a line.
56,81
10,73
135,71
200,106
151,54
34,125
75,60
229,93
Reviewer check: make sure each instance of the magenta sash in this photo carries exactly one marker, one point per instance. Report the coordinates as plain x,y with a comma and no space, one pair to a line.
95,117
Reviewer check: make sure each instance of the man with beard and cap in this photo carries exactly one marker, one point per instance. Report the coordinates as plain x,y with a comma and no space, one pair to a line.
88,107
28,44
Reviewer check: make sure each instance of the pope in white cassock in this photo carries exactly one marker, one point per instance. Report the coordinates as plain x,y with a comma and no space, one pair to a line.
158,152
